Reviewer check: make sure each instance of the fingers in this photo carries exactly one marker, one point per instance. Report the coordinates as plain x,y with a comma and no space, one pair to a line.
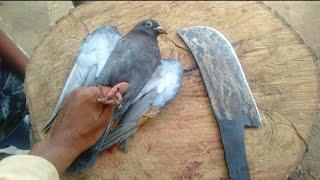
87,93
100,92
104,90
119,97
123,87
119,100
107,101
119,88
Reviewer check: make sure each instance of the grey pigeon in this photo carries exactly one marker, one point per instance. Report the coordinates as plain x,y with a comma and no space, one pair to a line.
135,59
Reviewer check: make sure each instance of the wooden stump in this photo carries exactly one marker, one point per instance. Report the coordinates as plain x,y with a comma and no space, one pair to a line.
183,142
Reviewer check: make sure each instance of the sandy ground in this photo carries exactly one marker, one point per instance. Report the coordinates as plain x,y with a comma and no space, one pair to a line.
28,22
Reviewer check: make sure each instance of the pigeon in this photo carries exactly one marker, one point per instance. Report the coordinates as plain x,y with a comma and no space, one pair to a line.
133,60
106,58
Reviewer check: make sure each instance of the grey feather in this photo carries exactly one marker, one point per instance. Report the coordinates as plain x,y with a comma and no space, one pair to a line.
129,124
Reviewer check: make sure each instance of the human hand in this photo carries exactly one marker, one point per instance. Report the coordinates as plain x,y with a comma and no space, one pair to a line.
80,123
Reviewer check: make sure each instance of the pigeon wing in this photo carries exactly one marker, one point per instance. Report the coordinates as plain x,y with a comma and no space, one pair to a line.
92,56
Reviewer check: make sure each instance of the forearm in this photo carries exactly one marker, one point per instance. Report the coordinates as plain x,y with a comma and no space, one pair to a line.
12,55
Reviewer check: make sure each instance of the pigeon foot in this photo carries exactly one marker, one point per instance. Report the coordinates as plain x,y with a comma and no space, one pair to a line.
114,96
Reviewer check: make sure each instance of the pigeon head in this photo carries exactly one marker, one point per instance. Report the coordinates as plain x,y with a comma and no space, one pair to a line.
149,26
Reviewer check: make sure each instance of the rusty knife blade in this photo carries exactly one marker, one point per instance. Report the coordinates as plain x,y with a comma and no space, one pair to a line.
228,90
227,85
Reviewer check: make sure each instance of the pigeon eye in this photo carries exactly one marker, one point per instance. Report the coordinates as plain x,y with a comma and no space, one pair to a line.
149,24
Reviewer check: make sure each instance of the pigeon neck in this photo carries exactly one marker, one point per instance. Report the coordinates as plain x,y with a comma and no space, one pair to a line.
150,33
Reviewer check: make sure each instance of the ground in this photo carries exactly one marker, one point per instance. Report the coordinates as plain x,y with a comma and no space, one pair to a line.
28,22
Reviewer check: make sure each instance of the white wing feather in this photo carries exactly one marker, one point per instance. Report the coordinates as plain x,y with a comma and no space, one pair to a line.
166,79
93,54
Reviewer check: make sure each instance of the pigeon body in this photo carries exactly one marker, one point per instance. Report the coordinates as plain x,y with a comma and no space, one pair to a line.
133,60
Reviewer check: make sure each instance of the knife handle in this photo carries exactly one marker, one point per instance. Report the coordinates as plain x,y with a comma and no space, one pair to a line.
235,154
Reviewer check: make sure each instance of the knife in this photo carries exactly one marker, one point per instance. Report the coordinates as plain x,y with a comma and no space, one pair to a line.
230,96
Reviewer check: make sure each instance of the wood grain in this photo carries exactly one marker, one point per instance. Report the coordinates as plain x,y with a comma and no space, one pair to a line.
183,142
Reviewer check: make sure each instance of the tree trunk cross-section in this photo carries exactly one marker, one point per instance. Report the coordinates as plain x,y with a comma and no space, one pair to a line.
183,141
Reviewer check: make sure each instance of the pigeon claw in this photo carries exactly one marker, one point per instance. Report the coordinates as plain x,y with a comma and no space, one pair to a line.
114,96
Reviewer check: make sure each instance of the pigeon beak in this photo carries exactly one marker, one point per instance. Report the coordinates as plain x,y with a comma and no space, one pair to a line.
161,30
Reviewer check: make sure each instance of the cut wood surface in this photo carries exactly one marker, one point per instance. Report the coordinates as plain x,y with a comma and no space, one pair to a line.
183,141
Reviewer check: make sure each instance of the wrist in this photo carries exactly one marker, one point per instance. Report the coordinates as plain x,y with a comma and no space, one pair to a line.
59,155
